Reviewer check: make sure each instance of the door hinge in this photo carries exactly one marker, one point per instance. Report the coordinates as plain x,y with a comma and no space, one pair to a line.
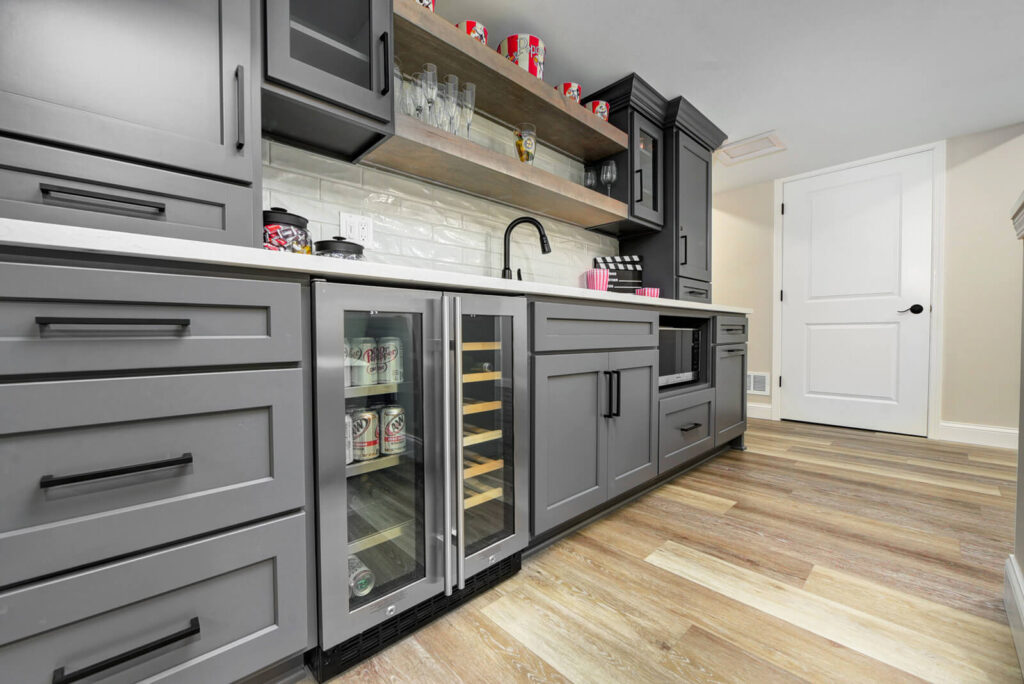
780,381
783,209
780,295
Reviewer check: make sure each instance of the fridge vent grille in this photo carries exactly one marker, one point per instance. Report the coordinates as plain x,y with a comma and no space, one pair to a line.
757,383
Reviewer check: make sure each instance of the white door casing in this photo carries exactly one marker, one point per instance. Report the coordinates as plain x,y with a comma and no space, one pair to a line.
857,249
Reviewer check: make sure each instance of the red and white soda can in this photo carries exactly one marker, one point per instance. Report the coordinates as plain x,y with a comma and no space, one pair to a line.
600,108
474,29
429,4
571,89
525,50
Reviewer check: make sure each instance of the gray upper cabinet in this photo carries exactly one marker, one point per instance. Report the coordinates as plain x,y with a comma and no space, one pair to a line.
730,392
647,171
570,474
632,430
693,203
167,83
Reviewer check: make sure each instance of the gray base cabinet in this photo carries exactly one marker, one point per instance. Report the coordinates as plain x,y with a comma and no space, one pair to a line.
632,430
686,428
730,392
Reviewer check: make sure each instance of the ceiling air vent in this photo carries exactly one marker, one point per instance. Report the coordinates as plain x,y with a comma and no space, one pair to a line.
750,148
757,383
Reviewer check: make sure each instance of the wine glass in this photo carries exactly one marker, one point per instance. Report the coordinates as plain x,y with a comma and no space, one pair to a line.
609,174
419,99
590,177
430,90
467,103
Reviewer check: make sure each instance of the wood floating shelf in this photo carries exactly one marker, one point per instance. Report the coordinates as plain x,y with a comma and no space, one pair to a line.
477,465
504,91
481,346
472,406
377,538
477,498
436,156
477,435
370,390
480,377
379,463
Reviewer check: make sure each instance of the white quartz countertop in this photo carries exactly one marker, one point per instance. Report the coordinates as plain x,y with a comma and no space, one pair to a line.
15,233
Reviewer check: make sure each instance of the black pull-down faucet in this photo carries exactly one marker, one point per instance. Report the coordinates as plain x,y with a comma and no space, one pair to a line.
545,246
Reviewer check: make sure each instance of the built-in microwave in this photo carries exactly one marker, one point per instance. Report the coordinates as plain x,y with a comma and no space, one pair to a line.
679,355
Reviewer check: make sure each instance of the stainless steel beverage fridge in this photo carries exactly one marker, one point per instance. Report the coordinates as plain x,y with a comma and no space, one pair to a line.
422,445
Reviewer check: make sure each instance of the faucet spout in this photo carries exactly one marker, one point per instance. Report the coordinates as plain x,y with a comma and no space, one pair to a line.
545,246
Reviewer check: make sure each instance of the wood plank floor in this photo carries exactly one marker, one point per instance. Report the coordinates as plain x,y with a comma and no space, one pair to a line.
820,554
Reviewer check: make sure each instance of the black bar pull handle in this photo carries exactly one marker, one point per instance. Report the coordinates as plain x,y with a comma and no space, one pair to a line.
48,481
608,377
240,97
685,250
618,393
43,321
689,428
59,677
49,190
386,39
640,195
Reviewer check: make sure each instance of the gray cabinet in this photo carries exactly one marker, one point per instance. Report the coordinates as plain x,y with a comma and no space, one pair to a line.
570,327
730,392
686,428
166,83
731,329
693,290
632,430
570,414
693,208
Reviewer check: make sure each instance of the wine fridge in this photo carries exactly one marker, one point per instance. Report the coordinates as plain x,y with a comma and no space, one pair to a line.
422,447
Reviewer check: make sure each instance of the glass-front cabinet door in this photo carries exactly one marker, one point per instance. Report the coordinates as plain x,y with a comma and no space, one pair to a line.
378,354
340,52
493,485
648,170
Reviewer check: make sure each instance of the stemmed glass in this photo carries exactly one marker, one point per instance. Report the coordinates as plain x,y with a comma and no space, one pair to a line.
451,103
430,91
419,96
609,174
467,103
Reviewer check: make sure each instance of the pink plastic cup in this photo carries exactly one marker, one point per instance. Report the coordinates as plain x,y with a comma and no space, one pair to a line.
597,279
649,291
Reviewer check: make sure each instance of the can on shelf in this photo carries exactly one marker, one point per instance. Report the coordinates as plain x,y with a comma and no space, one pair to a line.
349,456
365,435
392,429
389,360
363,352
360,577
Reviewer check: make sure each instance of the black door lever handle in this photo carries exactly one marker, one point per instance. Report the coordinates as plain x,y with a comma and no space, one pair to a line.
914,309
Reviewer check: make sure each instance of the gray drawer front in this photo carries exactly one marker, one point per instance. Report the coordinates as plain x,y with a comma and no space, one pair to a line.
693,290
244,432
52,185
731,329
696,413
247,588
231,321
571,327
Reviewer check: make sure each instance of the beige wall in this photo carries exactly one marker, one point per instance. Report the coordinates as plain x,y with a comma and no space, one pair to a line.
981,277
742,268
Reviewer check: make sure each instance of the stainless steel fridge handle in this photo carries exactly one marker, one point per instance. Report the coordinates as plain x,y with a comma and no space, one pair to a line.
460,475
446,411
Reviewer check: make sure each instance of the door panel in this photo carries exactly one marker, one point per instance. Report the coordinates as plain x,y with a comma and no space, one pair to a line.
730,392
380,515
647,198
686,428
694,200
632,446
570,459
856,252
163,82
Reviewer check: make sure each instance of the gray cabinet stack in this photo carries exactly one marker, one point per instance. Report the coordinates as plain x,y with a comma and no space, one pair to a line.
135,115
154,460
730,378
595,412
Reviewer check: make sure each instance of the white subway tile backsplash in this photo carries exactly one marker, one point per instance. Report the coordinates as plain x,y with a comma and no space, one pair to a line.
423,225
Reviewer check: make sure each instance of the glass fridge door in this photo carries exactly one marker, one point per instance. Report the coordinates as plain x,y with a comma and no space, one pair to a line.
379,530
494,495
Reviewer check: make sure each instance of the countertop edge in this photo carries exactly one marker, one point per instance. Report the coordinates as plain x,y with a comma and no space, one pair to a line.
96,242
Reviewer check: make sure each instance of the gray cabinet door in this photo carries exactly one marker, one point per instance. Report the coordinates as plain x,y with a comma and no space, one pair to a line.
686,428
730,392
647,198
167,83
693,208
571,411
569,327
693,290
632,430
337,52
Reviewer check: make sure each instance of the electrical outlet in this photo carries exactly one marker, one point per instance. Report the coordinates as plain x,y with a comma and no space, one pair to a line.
356,227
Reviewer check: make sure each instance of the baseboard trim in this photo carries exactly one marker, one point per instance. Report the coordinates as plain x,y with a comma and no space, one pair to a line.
1013,598
762,411
982,435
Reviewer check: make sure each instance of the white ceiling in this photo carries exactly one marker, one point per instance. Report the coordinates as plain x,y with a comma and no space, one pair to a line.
838,80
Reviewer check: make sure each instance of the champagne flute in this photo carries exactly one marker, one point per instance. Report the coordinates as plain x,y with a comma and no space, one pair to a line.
451,108
609,174
467,103
419,100
430,90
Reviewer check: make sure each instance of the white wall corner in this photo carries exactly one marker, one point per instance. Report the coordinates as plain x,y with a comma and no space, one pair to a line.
982,435
762,411
1013,598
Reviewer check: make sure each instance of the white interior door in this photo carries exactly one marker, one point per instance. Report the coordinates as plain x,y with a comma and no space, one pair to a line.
856,254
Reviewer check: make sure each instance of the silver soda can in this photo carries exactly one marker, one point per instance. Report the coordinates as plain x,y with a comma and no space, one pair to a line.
363,355
349,456
389,360
360,577
392,430
365,435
